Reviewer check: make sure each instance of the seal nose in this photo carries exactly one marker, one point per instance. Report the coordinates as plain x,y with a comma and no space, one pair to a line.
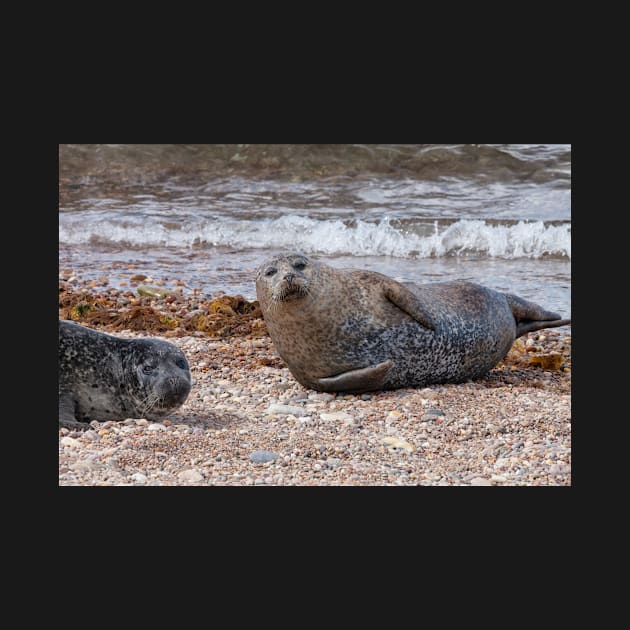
289,277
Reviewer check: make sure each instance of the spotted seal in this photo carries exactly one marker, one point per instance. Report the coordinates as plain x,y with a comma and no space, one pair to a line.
350,330
103,377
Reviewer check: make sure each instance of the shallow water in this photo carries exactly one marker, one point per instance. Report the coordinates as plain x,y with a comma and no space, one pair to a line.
210,214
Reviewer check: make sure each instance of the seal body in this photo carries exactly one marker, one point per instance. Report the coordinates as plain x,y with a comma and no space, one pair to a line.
354,330
103,377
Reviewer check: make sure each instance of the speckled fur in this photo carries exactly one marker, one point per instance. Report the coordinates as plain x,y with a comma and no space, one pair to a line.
326,322
101,377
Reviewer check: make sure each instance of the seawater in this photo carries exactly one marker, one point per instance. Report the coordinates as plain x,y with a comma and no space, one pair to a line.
499,215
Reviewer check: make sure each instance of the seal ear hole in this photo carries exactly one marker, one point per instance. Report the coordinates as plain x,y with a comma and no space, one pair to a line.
271,272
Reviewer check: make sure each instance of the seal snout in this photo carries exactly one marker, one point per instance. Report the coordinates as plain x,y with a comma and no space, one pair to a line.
291,287
178,384
174,390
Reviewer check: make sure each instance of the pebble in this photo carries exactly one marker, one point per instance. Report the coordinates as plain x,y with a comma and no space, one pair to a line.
85,466
398,444
337,416
156,427
204,436
427,392
559,469
261,457
321,396
192,475
284,410
432,414
480,481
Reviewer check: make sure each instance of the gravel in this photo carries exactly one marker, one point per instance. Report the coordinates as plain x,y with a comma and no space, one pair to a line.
511,428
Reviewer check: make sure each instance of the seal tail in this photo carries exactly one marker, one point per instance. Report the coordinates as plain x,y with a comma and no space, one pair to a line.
530,316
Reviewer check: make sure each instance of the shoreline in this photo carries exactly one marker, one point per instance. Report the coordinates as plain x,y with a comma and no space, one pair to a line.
512,427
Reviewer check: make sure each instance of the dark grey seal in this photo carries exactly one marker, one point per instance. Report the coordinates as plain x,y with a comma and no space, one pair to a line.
102,377
348,330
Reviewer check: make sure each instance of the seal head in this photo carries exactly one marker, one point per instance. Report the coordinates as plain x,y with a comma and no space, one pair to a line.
103,377
285,278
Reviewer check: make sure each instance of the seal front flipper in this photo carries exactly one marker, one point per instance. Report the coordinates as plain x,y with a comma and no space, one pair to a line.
357,381
406,301
530,316
66,414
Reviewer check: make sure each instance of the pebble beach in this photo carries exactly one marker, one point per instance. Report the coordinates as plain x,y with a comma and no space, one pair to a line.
247,422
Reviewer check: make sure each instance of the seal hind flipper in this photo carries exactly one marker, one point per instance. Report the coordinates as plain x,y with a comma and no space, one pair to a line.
530,316
529,326
406,301
357,381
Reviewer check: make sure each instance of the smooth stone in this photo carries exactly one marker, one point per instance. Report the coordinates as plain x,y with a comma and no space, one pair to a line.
322,396
398,444
285,410
261,457
337,416
559,469
190,475
85,466
147,291
428,393
480,481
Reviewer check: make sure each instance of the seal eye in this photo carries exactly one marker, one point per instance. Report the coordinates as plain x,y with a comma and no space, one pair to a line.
271,272
299,266
180,363
147,369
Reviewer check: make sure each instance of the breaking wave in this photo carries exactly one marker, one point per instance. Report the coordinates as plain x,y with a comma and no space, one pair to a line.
387,237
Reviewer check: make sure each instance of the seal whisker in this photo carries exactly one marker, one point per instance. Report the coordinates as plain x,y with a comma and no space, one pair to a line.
150,402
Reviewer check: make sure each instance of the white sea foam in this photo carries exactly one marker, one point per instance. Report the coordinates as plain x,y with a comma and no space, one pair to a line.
333,236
